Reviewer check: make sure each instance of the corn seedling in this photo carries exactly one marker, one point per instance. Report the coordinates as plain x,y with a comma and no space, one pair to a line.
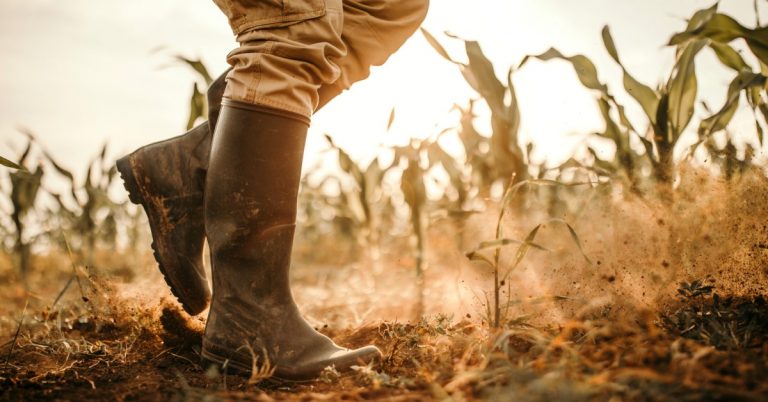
495,310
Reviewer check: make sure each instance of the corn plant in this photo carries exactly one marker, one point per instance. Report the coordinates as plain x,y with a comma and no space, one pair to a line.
670,107
496,310
25,186
363,201
87,212
507,156
718,31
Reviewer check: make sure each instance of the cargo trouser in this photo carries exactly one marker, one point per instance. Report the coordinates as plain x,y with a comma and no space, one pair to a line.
296,54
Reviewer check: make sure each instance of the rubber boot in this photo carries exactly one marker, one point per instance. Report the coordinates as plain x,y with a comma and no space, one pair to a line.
167,179
250,212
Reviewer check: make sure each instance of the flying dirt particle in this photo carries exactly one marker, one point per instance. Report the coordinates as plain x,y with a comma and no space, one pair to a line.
178,329
665,264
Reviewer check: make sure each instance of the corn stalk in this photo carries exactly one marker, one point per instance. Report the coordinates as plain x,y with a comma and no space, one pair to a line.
25,186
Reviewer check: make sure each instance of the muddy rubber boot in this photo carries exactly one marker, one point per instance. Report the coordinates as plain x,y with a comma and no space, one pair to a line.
167,179
250,212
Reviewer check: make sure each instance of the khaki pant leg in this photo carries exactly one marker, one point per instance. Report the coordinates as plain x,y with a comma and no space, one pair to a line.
373,30
284,59
293,62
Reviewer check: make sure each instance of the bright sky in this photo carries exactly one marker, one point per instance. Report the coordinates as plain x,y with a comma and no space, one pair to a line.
81,72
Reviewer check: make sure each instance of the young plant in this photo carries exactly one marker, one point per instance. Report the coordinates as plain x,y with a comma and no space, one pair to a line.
495,310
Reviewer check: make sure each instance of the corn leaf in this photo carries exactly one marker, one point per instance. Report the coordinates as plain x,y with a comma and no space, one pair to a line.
701,17
499,243
484,76
196,106
585,69
683,89
521,252
11,164
722,28
720,120
575,238
477,256
643,94
729,56
198,67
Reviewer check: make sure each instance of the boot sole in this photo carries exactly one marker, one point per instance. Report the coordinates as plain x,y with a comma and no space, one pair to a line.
136,194
229,366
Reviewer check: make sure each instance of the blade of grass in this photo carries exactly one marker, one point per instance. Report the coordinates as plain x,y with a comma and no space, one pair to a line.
16,336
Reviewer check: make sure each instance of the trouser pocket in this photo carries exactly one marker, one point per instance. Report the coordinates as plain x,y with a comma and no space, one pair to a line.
247,15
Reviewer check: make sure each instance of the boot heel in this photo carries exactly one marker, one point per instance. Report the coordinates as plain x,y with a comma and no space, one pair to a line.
129,180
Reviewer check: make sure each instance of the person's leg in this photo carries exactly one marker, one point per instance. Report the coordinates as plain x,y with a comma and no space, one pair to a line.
251,195
372,31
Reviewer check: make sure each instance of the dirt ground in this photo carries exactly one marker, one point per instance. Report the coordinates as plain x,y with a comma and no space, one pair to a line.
701,346
624,326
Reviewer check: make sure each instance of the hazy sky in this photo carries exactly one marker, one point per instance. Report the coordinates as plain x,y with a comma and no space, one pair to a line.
80,72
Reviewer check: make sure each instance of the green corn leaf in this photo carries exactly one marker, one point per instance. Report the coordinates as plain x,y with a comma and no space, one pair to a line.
729,56
723,29
575,238
196,106
198,67
585,69
521,252
612,131
499,243
11,164
477,256
701,17
720,120
683,89
643,94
